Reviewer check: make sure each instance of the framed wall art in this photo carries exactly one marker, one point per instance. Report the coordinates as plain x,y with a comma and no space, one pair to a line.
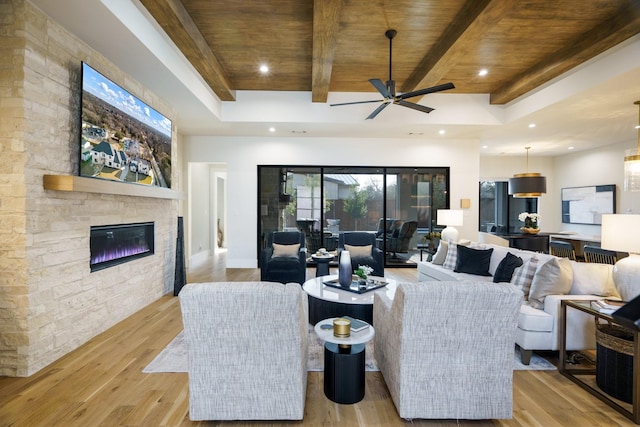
586,205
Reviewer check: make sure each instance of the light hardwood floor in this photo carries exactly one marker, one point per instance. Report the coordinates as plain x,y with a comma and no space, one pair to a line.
102,384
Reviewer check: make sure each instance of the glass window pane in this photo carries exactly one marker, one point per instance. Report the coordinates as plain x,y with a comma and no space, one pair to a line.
325,201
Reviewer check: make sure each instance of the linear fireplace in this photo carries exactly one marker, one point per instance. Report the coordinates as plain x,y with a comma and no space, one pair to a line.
115,244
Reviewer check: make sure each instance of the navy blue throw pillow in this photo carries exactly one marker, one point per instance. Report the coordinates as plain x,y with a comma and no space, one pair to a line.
507,266
473,261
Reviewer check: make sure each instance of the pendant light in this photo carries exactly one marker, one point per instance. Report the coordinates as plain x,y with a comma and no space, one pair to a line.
632,163
528,184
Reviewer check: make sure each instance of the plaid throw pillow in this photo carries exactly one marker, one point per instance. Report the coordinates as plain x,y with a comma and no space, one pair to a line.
452,256
523,276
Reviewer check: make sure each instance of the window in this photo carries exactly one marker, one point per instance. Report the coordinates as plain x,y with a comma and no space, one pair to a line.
499,211
324,201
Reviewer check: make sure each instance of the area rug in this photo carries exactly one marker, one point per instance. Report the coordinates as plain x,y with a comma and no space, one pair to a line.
173,358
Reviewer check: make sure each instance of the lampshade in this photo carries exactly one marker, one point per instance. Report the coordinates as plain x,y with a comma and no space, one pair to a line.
622,233
528,184
632,163
449,217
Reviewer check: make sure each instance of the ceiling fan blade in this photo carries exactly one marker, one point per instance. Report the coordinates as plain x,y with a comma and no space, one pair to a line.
377,110
445,86
382,88
357,102
414,106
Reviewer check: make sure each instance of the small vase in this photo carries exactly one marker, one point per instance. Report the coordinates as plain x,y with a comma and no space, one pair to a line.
344,269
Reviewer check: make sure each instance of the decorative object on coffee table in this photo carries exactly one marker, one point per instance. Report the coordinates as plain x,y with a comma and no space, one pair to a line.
341,327
344,269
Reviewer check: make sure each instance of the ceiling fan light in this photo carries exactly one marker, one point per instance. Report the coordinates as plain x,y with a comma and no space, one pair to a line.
530,184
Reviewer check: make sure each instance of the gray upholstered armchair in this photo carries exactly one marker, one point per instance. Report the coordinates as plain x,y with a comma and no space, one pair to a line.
282,261
446,350
363,250
247,350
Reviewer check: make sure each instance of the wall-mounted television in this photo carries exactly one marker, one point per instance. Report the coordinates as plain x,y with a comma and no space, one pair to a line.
122,138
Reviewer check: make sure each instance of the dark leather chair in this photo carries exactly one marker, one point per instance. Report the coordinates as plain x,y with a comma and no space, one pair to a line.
284,269
400,243
375,259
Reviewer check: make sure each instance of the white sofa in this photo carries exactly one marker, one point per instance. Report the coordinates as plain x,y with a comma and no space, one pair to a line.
538,328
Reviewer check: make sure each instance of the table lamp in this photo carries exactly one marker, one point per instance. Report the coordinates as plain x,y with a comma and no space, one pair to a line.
621,232
450,218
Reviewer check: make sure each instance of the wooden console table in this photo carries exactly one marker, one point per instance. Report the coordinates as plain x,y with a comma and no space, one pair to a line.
576,374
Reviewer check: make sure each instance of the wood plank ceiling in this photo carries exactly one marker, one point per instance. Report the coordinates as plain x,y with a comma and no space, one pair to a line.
337,45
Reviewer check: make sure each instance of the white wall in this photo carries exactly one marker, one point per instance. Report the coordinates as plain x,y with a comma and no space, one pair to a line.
243,154
602,166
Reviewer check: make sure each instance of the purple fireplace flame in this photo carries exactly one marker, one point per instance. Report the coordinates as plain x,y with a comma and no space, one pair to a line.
114,244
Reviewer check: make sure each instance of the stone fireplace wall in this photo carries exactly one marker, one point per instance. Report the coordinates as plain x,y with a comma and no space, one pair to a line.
50,302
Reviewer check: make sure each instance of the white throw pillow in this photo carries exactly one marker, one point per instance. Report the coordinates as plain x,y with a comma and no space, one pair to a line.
285,250
593,279
441,253
358,251
554,277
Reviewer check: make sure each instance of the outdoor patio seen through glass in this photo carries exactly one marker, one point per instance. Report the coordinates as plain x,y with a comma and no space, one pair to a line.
322,202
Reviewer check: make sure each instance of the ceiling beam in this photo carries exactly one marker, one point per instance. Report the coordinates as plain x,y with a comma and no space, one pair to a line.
176,22
326,20
588,45
462,35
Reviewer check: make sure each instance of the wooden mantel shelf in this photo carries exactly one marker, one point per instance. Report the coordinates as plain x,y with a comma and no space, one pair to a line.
95,185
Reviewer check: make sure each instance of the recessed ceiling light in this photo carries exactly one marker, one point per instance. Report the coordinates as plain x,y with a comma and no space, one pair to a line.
272,129
485,146
441,132
264,69
570,148
637,127
532,125
483,72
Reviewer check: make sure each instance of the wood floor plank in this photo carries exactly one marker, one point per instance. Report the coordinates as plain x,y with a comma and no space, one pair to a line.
102,384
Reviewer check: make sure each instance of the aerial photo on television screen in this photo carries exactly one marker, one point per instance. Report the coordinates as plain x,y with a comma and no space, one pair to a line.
123,139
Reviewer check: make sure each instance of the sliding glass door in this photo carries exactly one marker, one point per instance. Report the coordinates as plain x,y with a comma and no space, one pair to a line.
322,202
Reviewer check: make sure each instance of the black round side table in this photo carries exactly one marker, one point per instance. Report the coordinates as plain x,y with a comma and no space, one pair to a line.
344,372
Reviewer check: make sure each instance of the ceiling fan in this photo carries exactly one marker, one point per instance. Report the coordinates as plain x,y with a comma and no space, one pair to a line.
388,91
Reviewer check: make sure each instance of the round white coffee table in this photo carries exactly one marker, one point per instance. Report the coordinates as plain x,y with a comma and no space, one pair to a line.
326,301
344,363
